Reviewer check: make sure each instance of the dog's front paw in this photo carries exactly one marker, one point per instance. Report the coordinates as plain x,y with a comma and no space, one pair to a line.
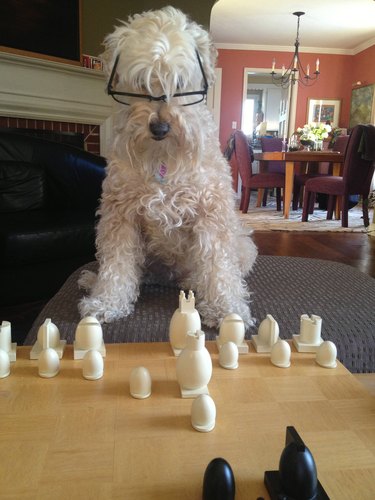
243,310
213,318
103,312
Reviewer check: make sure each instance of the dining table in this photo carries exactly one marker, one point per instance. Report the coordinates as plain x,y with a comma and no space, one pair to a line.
292,159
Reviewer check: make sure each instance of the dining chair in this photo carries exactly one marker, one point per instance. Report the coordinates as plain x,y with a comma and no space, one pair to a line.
358,169
301,179
248,178
270,144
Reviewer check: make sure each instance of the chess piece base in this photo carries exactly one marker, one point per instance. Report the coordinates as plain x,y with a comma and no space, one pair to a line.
260,346
193,393
80,353
274,488
38,348
204,428
303,346
176,351
242,348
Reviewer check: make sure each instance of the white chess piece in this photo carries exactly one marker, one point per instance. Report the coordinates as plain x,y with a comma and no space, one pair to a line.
4,364
194,366
326,354
88,336
228,356
232,329
268,334
140,383
54,340
280,354
185,319
6,340
93,365
48,361
203,413
309,338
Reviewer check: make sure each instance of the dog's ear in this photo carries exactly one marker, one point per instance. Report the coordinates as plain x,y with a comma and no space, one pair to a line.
207,51
112,45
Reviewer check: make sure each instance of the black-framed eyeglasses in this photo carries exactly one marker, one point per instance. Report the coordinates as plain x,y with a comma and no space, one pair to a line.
178,98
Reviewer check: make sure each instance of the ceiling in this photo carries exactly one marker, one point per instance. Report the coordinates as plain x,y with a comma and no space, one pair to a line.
334,26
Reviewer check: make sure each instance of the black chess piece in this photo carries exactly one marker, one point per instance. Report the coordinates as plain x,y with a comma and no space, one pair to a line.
297,477
218,481
297,469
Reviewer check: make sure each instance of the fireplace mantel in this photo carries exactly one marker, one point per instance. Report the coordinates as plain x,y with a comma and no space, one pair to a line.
48,90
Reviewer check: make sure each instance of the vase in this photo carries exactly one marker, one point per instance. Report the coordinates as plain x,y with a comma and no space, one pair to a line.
194,365
307,144
318,145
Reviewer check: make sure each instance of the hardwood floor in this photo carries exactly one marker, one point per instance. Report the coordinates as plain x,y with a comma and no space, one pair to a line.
354,249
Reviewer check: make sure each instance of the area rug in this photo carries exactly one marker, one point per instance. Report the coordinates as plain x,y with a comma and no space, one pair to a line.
285,287
269,219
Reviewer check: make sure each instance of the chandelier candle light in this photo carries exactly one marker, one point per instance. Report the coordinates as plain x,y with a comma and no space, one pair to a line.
295,73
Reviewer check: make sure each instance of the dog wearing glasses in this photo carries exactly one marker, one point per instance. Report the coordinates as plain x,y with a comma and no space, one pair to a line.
167,196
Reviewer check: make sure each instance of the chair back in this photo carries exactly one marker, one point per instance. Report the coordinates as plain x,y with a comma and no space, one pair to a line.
341,143
358,170
242,154
269,144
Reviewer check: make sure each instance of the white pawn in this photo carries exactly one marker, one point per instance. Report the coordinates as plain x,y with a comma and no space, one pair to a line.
93,365
48,362
228,356
203,413
140,383
326,354
280,354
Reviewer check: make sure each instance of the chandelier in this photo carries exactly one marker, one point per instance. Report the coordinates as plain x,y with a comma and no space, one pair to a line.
295,73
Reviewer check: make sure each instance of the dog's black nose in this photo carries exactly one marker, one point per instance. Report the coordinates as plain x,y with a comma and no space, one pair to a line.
159,130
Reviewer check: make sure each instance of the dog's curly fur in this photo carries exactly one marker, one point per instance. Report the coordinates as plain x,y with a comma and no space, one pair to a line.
186,218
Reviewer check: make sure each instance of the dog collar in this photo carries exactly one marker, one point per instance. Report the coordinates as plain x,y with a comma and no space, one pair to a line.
160,175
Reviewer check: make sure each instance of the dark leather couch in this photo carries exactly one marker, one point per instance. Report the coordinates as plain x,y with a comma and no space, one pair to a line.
49,193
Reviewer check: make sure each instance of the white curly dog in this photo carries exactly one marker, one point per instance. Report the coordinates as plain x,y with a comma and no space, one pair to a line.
167,195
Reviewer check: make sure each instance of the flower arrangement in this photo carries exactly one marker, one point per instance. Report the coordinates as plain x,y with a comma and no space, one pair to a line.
314,132
334,134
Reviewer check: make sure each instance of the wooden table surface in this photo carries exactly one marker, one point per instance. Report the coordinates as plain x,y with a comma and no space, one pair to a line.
69,438
291,158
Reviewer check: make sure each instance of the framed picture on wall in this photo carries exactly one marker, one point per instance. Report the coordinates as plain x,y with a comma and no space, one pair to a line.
362,106
50,29
324,110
